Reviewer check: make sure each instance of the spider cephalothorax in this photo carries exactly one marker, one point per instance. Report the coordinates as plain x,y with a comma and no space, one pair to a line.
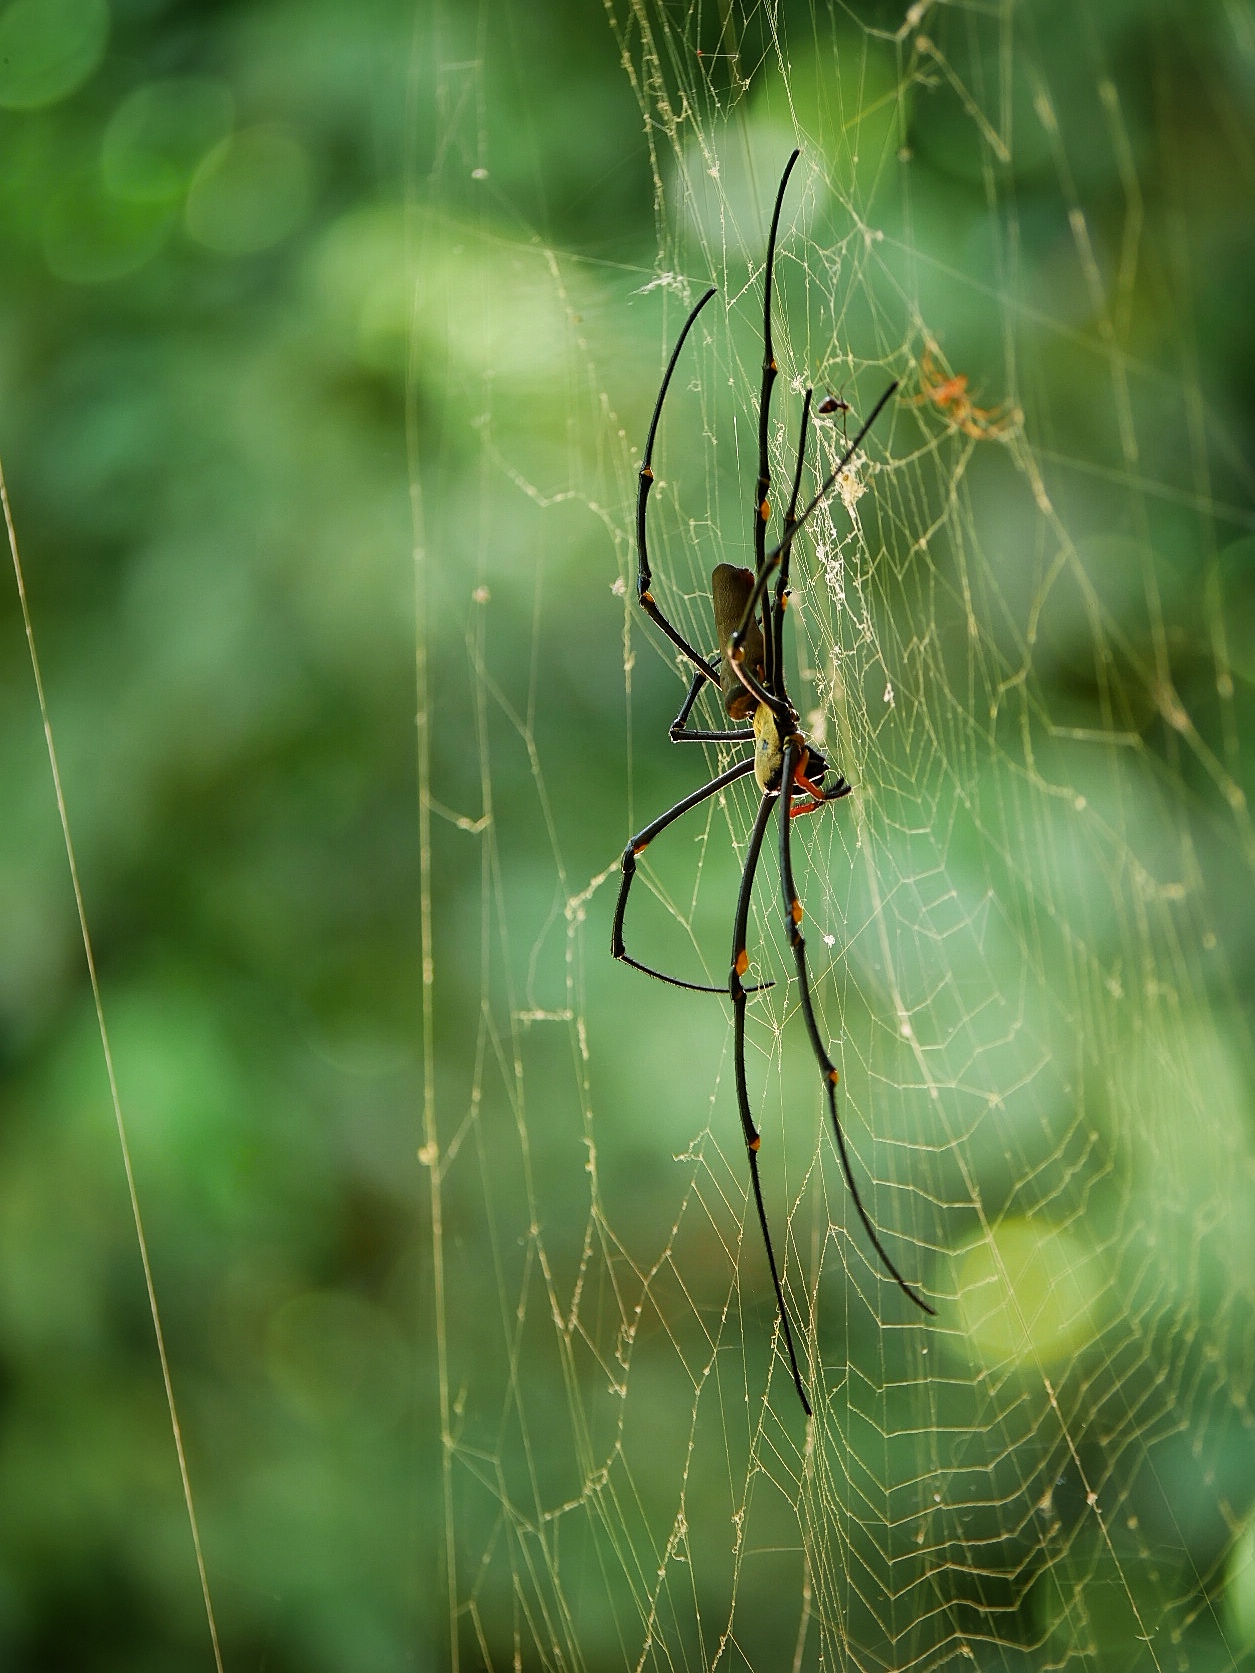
748,669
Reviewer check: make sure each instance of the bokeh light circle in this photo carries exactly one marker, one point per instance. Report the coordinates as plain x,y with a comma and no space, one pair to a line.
1030,1291
249,192
48,48
160,133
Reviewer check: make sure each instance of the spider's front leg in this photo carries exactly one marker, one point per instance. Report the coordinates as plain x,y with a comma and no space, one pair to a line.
644,574
778,557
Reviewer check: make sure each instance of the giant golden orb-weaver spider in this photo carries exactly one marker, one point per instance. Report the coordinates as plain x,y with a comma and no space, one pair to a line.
748,669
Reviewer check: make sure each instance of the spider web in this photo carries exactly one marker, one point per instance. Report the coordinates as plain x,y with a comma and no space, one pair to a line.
1015,925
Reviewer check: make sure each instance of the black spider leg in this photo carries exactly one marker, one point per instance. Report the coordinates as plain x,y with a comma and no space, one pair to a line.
782,571
779,554
644,575
740,962
840,785
639,843
793,927
762,489
679,732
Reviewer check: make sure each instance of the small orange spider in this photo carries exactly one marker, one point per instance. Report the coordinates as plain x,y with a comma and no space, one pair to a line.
950,394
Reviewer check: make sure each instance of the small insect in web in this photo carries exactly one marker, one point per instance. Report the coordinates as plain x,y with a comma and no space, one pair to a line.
830,406
748,669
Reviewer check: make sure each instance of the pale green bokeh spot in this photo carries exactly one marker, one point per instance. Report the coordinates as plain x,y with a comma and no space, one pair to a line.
90,237
360,272
484,305
848,97
48,48
1030,1291
249,192
729,191
159,134
1240,1588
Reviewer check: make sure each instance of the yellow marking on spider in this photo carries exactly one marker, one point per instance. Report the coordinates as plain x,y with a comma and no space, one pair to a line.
640,848
764,510
742,962
833,1076
755,1142
796,909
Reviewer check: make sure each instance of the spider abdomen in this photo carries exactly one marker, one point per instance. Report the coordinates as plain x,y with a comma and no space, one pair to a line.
730,589
768,749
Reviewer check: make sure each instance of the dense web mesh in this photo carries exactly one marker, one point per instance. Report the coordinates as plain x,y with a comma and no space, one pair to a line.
1015,924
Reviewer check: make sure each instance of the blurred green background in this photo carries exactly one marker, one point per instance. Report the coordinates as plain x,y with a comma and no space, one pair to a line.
297,294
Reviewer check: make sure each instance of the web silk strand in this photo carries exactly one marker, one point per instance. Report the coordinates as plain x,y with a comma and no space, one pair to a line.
141,1240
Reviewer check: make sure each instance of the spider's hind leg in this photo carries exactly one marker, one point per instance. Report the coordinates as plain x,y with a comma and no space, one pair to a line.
637,846
738,992
793,927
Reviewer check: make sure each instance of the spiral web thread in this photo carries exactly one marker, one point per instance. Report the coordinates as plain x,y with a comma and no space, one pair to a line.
1044,1080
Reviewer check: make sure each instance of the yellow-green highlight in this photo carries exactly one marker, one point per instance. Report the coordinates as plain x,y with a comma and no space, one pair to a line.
1030,1291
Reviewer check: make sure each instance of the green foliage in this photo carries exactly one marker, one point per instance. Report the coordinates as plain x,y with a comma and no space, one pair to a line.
268,268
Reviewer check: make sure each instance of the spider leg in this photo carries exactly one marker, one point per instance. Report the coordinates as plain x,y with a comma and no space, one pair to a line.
644,575
680,733
740,960
779,554
793,922
762,488
782,574
638,844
